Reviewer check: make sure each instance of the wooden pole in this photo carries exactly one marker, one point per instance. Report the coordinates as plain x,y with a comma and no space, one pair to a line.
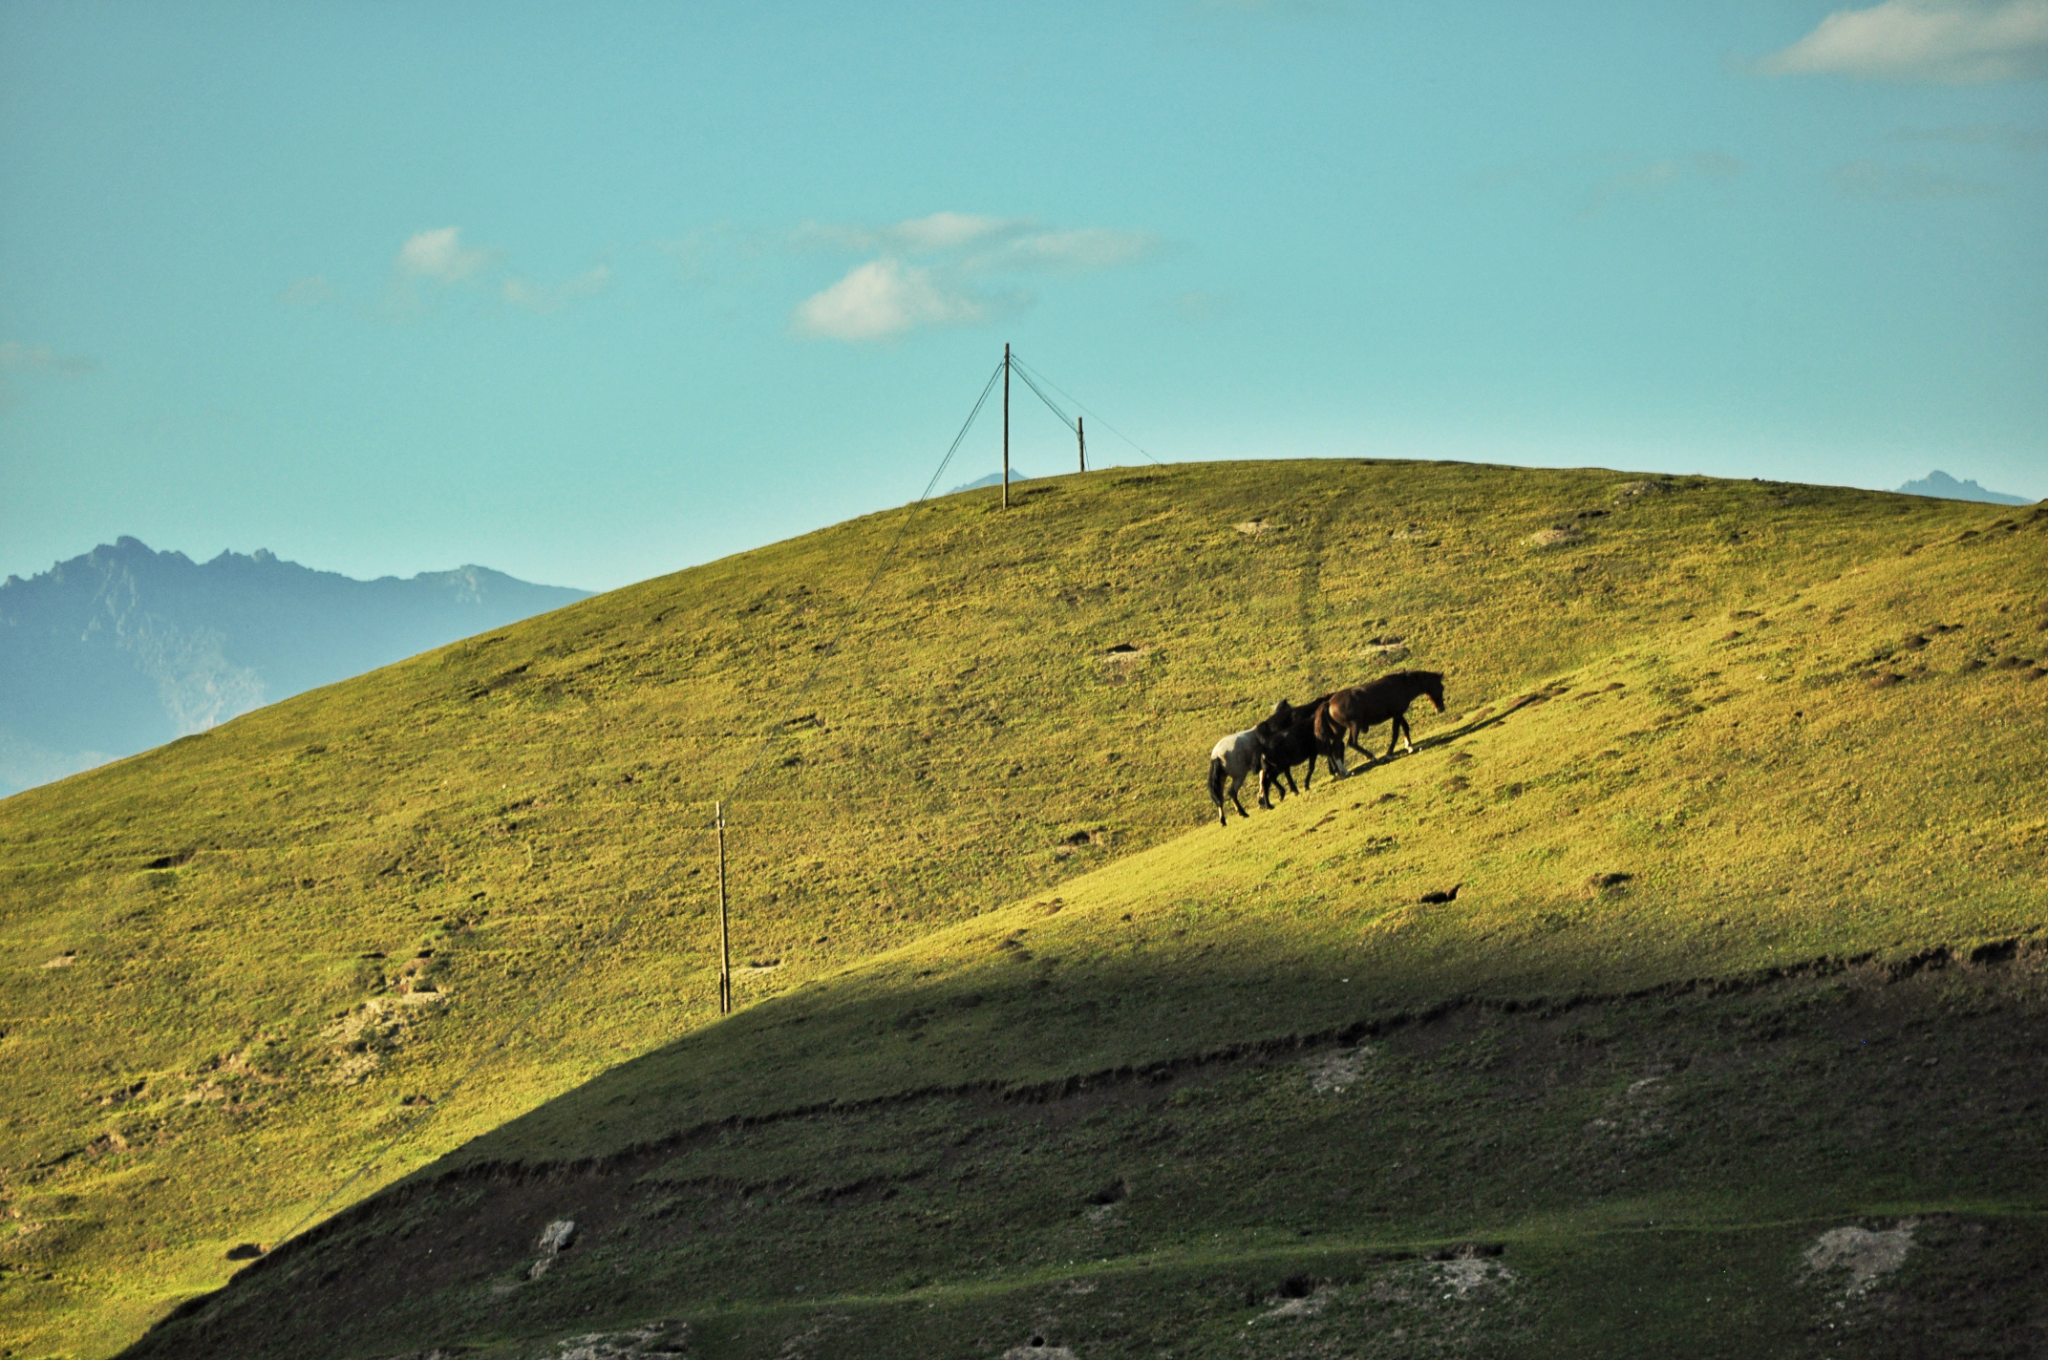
724,949
1081,433
1006,425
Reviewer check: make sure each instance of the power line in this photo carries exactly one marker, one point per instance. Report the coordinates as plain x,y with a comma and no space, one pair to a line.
989,387
1086,411
1065,419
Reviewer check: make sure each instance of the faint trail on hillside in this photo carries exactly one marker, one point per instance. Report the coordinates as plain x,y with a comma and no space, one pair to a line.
638,900
1308,600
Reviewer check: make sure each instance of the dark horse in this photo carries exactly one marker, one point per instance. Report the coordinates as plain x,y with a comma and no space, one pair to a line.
1349,712
1288,738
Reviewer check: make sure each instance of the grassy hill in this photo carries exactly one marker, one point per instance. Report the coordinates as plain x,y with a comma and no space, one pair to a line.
1029,1046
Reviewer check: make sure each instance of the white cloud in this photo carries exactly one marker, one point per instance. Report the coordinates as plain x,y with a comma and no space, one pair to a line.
440,255
21,358
940,270
883,298
310,291
1948,42
549,300
1903,183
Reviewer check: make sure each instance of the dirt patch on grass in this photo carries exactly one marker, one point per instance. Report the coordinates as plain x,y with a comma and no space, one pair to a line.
361,1039
1862,1256
1338,1070
1632,491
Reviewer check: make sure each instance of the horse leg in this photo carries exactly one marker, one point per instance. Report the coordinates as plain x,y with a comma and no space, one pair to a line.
1394,737
1235,782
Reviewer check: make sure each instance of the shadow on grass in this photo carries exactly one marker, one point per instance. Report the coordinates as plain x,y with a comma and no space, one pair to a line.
960,1144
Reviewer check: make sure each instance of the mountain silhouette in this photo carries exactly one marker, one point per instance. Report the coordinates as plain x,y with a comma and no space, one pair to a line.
993,479
125,648
1940,484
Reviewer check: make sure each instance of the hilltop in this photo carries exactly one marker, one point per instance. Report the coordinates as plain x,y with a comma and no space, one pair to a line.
124,648
1581,966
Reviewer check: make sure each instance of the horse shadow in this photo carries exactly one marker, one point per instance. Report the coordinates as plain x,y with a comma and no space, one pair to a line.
1456,734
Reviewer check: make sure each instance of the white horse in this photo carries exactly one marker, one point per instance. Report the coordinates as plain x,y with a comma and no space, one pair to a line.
1236,756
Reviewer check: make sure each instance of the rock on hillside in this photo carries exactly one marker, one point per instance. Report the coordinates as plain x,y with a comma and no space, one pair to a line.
124,648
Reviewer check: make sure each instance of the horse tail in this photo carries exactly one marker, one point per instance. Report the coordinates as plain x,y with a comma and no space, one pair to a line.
1216,780
1327,727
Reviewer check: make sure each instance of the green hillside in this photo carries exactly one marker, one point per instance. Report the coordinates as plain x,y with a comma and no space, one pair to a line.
1027,1043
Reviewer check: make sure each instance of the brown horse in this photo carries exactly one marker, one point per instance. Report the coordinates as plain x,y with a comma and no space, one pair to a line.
1349,712
1290,738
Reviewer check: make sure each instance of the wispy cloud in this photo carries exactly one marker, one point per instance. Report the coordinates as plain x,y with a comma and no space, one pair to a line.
1650,177
940,233
310,291
190,425
547,300
1074,252
1306,9
1903,183
1946,42
437,260
2008,136
707,253
948,269
19,358
16,357
1198,307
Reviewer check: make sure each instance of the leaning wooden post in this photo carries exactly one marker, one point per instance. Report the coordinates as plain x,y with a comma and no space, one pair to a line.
724,951
1006,425
1081,433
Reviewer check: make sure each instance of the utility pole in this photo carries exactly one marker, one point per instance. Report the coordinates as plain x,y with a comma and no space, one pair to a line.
1081,433
724,951
1006,425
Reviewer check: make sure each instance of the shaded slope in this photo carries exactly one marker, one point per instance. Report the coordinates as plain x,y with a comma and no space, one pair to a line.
246,1013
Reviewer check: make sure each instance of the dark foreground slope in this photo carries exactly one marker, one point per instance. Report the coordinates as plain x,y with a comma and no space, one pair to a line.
1683,990
1842,1160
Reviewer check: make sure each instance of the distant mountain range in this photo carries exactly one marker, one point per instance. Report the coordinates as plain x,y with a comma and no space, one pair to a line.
993,479
125,648
1947,488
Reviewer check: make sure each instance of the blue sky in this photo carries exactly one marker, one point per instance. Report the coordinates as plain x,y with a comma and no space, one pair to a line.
589,293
